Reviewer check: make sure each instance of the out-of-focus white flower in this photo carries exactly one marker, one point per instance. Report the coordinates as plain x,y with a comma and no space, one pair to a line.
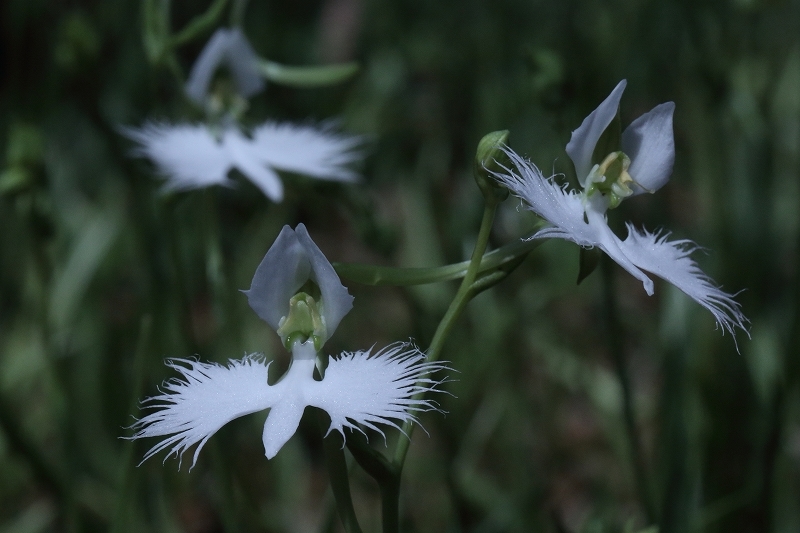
358,388
190,156
643,165
228,47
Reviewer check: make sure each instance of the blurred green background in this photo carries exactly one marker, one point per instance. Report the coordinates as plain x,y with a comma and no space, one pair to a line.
102,277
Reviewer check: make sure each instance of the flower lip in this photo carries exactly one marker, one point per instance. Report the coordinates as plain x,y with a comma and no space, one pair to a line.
363,388
292,260
193,156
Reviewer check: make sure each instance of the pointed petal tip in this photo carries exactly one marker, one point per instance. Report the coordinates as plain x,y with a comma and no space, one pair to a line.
584,139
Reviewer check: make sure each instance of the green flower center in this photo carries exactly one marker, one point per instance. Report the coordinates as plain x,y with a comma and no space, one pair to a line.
303,322
611,179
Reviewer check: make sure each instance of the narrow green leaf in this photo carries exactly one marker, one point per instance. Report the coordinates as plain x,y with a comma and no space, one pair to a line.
381,275
305,77
199,24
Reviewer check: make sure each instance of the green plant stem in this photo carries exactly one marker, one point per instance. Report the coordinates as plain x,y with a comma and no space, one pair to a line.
337,470
237,13
384,473
615,336
388,474
458,304
198,25
379,275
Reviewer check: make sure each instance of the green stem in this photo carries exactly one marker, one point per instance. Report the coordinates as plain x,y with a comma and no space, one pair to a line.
615,336
458,304
383,472
237,13
337,470
198,25
378,275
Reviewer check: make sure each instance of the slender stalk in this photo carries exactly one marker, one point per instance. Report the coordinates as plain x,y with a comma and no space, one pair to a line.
458,304
198,25
237,13
615,336
378,275
337,470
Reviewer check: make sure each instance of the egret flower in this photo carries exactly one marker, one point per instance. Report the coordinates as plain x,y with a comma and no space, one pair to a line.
644,164
362,388
193,156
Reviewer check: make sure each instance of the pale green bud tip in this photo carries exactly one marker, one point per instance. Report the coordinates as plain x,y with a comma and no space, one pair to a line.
488,159
303,322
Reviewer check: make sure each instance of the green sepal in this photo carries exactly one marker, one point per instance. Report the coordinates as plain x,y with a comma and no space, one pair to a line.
489,158
588,262
609,141
307,77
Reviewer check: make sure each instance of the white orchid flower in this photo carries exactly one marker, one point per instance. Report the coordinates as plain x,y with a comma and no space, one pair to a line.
190,156
358,388
643,165
228,47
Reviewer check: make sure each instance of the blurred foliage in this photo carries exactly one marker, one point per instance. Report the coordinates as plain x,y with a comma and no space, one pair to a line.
102,276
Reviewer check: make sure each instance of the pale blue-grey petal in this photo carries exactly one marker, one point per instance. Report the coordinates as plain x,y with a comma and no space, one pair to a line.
284,269
229,47
336,301
650,144
242,61
213,54
584,139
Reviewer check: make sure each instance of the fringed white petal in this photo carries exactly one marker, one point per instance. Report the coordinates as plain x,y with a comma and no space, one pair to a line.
560,207
307,150
584,139
671,261
292,260
650,144
188,156
246,161
209,396
613,246
362,388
